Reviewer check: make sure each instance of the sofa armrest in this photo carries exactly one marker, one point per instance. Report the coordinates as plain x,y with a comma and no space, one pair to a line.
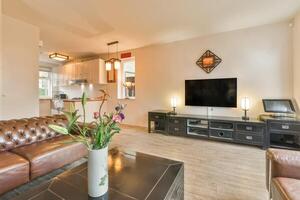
282,163
284,158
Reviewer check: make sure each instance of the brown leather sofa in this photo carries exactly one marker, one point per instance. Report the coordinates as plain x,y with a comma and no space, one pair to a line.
29,149
283,174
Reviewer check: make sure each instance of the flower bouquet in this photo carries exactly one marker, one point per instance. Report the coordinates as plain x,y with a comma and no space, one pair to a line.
95,136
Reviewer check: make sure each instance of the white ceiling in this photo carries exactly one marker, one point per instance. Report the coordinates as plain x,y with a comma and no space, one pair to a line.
83,27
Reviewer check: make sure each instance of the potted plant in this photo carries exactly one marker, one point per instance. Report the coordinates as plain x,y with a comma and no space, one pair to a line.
95,136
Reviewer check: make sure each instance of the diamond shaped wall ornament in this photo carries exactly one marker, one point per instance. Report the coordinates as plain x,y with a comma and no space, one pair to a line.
208,61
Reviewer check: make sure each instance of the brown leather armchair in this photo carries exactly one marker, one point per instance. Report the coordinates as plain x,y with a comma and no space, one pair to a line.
283,174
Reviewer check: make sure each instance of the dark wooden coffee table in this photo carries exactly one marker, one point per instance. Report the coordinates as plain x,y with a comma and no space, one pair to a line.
132,176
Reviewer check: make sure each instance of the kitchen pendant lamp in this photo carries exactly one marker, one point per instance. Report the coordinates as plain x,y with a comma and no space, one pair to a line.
112,62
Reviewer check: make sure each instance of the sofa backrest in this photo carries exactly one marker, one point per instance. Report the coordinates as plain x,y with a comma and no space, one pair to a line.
21,132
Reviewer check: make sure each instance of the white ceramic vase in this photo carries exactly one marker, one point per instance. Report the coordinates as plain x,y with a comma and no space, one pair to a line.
98,173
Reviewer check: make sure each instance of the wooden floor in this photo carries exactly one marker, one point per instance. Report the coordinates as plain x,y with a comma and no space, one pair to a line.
213,170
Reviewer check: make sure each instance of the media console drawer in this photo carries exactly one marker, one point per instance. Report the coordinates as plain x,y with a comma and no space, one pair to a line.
249,138
276,126
223,134
221,125
253,128
177,121
157,116
177,130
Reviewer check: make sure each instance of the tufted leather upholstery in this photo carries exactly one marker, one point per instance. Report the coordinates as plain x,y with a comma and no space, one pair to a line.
28,149
16,133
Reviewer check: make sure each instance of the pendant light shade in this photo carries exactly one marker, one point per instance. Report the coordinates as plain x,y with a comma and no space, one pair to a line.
108,65
117,64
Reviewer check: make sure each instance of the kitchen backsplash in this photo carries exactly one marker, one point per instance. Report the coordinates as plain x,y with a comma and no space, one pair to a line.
75,91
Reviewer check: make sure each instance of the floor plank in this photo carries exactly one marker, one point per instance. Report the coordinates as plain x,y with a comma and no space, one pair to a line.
213,170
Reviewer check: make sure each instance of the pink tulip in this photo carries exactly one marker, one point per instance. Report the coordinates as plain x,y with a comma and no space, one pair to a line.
96,115
117,118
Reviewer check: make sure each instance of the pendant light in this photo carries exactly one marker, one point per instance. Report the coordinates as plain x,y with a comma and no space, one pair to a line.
112,62
117,61
108,62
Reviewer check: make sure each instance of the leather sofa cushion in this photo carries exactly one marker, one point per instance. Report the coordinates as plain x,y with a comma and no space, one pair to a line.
14,171
51,154
285,188
17,133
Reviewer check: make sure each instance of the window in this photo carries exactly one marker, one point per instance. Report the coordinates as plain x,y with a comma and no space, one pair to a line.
126,79
45,85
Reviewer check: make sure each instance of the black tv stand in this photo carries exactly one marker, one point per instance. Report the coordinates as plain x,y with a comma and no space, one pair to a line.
265,132
228,129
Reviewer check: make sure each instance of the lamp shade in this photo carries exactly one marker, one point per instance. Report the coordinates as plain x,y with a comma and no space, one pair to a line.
117,64
108,65
245,103
174,102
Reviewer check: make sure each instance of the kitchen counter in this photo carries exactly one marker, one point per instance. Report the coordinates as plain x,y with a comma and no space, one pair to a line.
79,100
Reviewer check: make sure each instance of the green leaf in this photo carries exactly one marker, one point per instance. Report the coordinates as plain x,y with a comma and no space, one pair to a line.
71,124
83,99
59,129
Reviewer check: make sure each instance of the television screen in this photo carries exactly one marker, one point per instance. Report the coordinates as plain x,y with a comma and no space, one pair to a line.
211,92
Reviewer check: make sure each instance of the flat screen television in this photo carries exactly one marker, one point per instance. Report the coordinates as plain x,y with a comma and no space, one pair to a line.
211,92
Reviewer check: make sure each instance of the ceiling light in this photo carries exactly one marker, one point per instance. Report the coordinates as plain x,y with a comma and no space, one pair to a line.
116,62
58,57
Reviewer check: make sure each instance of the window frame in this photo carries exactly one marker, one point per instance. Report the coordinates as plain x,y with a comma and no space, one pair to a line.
49,79
121,93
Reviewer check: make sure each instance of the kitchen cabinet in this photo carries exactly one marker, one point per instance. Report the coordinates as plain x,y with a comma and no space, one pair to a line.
97,72
93,71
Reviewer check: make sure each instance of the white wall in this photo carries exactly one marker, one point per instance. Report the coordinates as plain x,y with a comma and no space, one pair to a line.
0,59
296,58
20,69
259,57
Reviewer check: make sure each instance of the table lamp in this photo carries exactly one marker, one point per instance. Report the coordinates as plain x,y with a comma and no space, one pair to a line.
174,105
245,104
